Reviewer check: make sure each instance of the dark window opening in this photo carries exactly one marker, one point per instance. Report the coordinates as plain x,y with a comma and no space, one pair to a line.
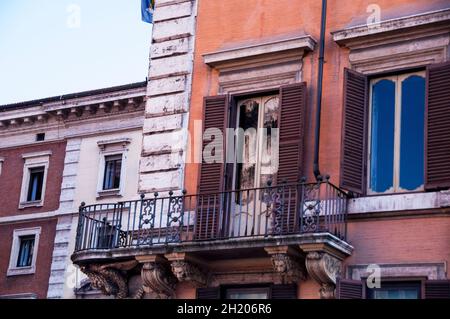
396,290
113,167
35,184
40,137
25,257
247,293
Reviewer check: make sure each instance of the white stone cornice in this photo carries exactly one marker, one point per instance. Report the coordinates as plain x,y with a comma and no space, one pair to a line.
37,154
221,58
356,35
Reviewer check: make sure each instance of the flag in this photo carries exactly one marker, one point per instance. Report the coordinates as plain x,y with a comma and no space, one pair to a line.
147,8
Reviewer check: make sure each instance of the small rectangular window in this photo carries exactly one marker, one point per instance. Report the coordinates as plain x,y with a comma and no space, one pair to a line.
113,168
35,184
25,257
247,293
40,137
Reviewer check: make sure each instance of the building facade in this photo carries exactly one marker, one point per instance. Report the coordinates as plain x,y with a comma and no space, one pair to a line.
287,151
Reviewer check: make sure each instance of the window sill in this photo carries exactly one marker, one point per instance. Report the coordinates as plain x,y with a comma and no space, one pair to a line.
37,203
109,193
399,202
21,271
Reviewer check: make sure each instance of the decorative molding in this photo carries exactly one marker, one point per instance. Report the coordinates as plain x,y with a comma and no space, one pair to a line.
324,269
244,54
13,270
109,278
350,35
186,271
288,263
400,43
37,154
430,271
118,141
158,280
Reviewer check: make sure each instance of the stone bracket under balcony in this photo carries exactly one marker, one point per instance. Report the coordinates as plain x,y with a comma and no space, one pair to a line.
290,259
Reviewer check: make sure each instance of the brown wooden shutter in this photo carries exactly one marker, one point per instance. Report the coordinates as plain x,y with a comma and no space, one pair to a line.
208,293
349,289
437,289
354,134
215,115
284,291
437,127
292,124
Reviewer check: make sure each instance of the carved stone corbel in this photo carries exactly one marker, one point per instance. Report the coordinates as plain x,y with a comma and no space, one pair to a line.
108,280
188,272
157,278
324,268
288,263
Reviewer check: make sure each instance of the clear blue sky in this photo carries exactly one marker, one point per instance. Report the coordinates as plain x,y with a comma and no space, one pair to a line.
44,51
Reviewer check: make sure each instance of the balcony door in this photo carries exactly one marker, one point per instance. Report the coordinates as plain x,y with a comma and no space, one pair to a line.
257,119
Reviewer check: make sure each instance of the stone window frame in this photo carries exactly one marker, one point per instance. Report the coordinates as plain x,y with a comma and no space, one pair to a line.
34,160
2,160
110,148
13,270
265,65
397,44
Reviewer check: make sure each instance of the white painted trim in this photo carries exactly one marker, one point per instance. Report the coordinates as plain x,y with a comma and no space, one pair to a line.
36,154
20,296
2,160
101,167
430,271
13,270
34,216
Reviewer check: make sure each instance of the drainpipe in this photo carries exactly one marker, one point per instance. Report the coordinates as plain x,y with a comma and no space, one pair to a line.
319,89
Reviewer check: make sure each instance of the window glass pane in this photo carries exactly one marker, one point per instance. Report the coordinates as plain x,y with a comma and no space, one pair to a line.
113,167
35,184
248,121
25,257
382,136
412,133
408,293
247,295
268,160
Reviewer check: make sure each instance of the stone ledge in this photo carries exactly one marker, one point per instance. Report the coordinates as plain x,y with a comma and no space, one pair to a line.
344,36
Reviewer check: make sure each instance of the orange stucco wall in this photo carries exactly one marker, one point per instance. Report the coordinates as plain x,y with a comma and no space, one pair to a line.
233,23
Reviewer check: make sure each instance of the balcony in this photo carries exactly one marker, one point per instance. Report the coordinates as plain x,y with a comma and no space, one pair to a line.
286,223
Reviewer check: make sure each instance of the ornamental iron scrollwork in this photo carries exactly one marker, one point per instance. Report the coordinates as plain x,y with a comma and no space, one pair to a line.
274,200
175,218
311,208
147,215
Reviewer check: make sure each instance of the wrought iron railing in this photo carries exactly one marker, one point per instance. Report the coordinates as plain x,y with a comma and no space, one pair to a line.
260,212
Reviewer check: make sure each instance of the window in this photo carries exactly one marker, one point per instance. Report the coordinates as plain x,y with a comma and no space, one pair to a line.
35,171
35,184
113,168
253,166
396,290
24,251
40,137
397,113
247,293
25,257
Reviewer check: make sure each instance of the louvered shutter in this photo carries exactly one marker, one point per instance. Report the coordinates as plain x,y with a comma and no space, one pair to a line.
437,289
354,135
211,174
208,293
349,289
284,291
437,127
292,123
